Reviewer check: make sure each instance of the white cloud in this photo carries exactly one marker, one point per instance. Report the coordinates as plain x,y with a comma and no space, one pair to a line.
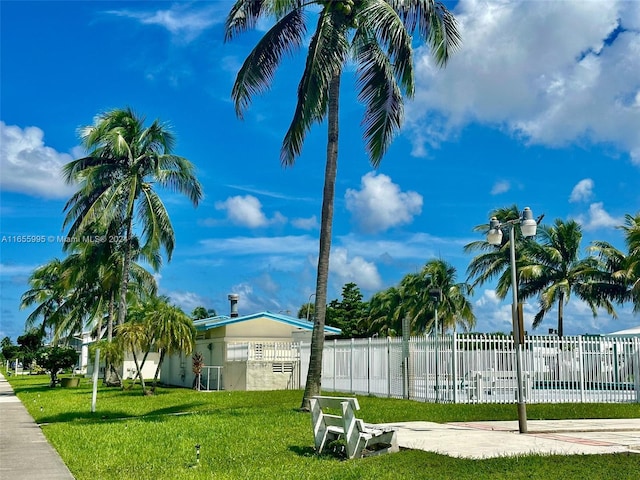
247,211
11,270
355,269
551,72
489,297
181,20
310,223
187,300
502,186
583,191
30,167
598,218
291,245
380,205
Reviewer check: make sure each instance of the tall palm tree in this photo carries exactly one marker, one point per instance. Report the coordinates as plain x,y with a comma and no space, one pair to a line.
116,185
375,35
553,270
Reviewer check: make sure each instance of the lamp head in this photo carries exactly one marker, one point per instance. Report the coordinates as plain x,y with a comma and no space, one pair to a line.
494,237
528,225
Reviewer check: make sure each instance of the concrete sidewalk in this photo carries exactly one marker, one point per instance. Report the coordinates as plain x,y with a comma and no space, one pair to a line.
499,439
25,453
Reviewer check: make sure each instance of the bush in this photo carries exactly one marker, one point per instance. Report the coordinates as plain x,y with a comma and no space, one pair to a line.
54,359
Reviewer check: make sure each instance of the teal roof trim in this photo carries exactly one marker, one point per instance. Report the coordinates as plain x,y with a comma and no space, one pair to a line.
222,320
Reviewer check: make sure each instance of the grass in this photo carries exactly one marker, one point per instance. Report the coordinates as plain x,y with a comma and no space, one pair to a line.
262,435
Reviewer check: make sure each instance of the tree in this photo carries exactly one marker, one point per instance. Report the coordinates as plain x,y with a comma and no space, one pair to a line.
553,270
30,342
133,336
307,311
412,299
349,314
48,292
201,312
386,311
454,307
375,35
54,359
197,365
116,183
10,351
624,269
172,331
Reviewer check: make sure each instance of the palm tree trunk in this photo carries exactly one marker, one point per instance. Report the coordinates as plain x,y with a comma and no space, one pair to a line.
314,375
155,376
139,372
126,264
560,314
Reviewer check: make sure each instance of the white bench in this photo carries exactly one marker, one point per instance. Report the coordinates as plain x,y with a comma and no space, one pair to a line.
360,439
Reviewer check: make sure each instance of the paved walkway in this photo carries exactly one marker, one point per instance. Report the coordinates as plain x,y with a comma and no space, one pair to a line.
498,439
25,453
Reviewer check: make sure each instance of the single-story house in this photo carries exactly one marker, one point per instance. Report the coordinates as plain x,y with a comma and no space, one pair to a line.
259,351
128,368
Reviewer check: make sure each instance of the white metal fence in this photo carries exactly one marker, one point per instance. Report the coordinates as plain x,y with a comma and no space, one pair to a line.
461,368
481,368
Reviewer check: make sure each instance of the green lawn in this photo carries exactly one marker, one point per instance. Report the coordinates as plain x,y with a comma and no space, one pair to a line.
262,435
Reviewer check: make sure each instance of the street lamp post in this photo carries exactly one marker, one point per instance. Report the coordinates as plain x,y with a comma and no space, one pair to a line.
528,227
309,305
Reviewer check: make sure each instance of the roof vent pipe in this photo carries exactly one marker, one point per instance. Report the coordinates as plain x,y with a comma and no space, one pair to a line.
233,299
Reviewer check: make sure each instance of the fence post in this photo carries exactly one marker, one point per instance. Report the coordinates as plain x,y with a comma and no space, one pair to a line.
454,374
388,367
636,368
369,366
351,367
581,364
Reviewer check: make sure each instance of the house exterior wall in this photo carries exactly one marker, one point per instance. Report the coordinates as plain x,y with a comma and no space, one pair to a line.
129,365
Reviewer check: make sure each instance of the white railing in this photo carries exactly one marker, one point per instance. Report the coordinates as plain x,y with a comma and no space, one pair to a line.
467,369
481,368
211,378
263,351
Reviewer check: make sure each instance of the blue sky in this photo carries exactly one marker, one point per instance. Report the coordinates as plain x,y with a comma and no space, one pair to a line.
540,107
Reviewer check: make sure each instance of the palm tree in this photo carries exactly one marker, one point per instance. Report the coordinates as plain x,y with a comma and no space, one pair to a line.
49,293
375,35
553,271
412,299
632,239
386,311
133,336
172,331
454,307
624,269
116,186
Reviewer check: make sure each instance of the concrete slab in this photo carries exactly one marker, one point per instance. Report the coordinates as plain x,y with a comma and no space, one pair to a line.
499,439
